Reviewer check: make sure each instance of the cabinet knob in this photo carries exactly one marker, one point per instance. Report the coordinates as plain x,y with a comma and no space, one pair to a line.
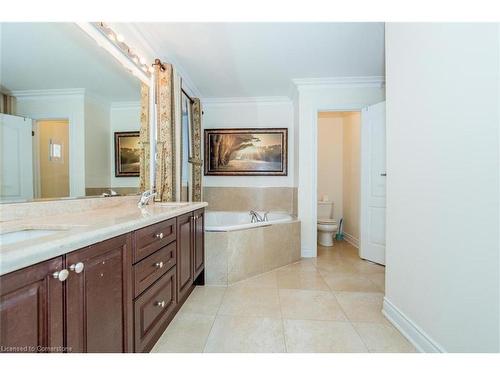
159,264
159,235
61,275
161,304
77,268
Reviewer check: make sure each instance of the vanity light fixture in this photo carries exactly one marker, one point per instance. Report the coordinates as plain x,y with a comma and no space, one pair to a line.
119,42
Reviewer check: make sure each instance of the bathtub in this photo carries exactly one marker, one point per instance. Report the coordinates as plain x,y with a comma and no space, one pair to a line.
228,221
237,249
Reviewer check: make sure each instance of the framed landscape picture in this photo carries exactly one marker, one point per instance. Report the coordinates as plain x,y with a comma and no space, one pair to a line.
127,154
246,152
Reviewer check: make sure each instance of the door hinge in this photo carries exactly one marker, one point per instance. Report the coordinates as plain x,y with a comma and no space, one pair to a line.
32,133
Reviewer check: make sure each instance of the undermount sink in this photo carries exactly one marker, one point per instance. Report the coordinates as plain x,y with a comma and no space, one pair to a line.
25,234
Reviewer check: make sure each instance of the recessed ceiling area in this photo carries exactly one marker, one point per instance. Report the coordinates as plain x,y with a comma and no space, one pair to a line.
261,59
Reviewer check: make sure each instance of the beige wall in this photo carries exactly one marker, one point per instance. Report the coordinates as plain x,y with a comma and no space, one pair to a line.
339,165
351,173
330,152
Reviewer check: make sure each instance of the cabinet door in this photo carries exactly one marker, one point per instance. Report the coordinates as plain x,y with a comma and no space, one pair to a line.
31,308
99,298
199,241
185,254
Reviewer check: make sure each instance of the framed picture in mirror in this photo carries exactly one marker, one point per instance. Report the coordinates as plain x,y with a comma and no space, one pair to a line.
127,154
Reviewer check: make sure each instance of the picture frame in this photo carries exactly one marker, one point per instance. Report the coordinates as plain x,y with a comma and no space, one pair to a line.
127,154
246,152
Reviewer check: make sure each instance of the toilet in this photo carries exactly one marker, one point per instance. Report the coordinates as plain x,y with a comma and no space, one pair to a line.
327,226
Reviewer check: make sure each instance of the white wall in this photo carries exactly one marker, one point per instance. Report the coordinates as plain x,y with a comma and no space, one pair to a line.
54,104
251,113
314,98
330,160
97,150
442,274
124,117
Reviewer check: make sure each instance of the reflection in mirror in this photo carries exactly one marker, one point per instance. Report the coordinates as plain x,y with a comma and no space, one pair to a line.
63,99
186,147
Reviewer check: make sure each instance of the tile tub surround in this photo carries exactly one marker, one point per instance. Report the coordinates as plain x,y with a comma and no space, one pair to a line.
234,256
280,312
81,227
251,198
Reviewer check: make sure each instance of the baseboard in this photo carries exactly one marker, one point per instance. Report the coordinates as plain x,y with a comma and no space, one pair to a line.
307,253
410,330
351,239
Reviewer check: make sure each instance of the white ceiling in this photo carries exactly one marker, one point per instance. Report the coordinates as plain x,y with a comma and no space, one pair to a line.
261,59
41,56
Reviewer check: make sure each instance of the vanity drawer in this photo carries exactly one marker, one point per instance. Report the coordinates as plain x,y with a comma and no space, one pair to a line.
154,237
150,269
153,309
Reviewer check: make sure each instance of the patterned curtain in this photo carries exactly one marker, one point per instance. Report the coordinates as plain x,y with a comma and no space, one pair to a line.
196,150
165,133
144,183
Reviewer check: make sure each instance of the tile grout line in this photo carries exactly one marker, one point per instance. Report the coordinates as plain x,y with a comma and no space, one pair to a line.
282,320
346,316
215,318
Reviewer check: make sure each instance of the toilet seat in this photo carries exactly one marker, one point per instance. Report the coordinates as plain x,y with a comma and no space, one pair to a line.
327,221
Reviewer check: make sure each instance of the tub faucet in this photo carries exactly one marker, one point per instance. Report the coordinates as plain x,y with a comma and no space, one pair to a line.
145,197
256,218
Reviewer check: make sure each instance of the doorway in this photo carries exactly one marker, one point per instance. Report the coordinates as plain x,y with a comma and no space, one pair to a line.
338,175
51,158
351,178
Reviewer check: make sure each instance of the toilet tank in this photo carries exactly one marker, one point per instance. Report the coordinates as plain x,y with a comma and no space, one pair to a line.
325,210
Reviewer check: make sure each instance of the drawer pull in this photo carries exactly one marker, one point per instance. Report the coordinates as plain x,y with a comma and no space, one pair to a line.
61,275
159,264
161,304
78,267
159,235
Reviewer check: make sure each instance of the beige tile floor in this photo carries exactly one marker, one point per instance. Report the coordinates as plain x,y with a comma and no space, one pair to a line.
328,304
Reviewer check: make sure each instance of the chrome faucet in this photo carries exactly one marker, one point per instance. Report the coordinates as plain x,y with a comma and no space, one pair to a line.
257,218
145,197
110,193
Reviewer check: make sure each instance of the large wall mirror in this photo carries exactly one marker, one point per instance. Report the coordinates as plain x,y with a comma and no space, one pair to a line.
70,115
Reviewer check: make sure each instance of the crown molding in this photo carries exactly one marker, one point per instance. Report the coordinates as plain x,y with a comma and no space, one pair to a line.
362,81
26,94
247,100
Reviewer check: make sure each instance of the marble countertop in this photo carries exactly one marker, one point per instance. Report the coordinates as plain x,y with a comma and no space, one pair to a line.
77,230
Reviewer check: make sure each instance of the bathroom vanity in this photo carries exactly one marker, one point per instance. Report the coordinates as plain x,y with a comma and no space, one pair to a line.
114,295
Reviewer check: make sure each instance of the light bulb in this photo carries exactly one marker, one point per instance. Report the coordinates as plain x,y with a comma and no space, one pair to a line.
142,60
120,38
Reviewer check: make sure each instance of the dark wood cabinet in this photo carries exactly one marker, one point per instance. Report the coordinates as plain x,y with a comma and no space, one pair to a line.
117,295
153,310
185,255
98,297
31,308
199,242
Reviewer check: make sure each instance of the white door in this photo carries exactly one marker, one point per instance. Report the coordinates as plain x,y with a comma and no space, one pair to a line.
373,184
16,164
